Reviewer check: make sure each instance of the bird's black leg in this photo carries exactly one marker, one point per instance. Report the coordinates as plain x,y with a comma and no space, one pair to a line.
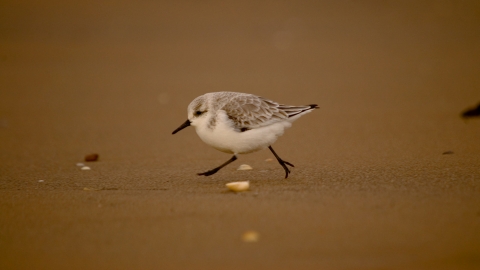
282,162
208,173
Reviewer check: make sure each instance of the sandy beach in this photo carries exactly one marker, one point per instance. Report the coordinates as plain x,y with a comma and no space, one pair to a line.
387,173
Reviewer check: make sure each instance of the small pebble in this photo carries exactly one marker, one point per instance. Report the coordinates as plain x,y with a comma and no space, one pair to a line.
269,159
250,236
244,167
91,157
85,168
41,181
80,164
238,186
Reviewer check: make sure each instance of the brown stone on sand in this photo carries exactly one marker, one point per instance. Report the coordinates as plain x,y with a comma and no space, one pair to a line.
91,157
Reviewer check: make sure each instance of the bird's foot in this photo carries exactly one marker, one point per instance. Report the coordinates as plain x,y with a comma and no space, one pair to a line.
208,173
283,163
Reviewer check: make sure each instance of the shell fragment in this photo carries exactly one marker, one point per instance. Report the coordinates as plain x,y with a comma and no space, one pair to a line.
238,186
244,167
250,236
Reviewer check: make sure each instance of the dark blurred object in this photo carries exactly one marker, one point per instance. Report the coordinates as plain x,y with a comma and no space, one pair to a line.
91,157
447,153
472,112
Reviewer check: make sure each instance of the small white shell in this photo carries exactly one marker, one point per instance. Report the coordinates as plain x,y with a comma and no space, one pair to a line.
80,164
85,168
41,181
238,186
244,167
250,236
269,159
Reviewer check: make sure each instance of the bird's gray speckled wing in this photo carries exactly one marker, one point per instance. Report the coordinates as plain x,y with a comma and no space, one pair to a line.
249,111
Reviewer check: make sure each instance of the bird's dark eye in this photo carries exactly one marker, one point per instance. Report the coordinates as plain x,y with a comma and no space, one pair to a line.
197,113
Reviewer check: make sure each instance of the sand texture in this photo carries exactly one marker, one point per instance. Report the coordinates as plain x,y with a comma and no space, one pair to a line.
387,173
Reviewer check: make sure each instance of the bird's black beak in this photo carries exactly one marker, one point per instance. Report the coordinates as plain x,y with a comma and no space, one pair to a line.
184,125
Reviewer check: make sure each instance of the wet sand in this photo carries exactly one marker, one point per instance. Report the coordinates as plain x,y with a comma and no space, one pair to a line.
371,188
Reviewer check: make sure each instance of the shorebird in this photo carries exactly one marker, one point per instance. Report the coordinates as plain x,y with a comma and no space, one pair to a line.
238,123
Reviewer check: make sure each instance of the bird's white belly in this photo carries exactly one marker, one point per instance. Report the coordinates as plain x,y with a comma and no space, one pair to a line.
226,139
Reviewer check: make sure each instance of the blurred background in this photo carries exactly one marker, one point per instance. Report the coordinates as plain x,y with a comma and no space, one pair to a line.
112,75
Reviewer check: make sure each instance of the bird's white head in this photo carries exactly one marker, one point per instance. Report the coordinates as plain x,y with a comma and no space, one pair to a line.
197,112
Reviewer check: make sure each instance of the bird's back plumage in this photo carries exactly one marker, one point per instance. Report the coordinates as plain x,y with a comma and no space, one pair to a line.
251,111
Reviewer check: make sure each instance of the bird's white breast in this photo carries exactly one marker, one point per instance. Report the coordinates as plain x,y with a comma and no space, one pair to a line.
224,138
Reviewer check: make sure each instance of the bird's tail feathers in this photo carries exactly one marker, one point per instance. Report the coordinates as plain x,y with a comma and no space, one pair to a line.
297,110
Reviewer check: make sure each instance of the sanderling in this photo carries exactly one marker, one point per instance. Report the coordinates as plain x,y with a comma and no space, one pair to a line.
238,123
